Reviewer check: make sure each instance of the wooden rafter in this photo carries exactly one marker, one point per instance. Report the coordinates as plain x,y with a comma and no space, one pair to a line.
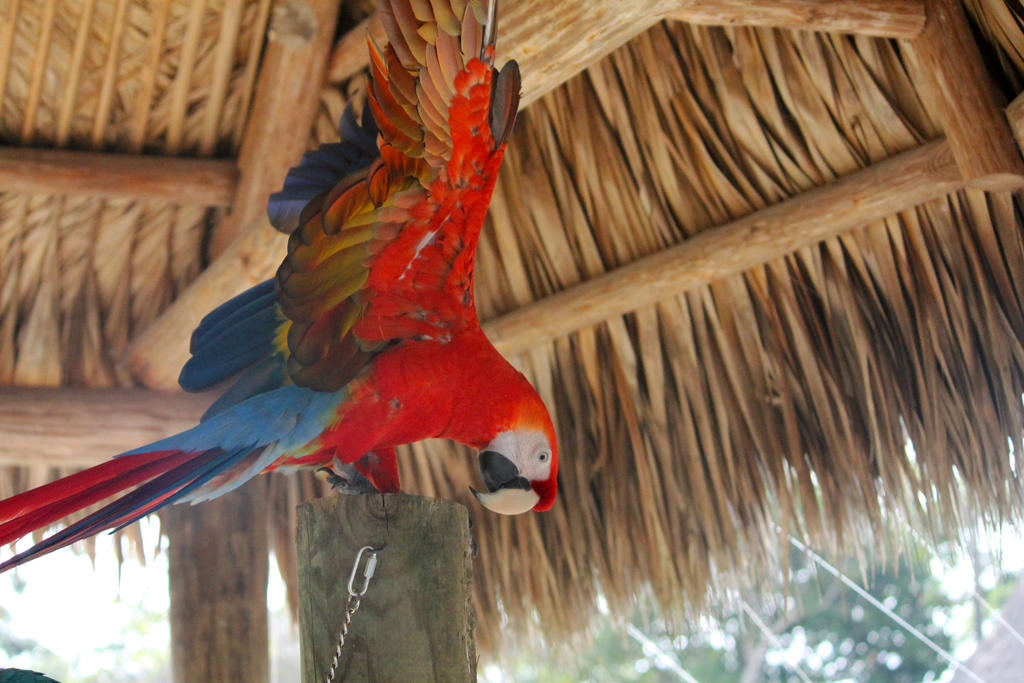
960,90
880,18
896,184
69,427
277,131
207,182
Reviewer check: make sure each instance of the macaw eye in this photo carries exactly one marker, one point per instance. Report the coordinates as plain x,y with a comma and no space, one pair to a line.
543,457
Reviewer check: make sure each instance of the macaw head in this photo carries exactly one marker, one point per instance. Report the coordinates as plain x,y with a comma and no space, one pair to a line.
520,465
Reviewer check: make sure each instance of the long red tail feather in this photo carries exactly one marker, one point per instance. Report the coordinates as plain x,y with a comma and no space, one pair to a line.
42,506
159,478
45,505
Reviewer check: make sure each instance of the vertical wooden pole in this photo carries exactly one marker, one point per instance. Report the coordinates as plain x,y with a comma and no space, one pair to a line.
218,584
415,622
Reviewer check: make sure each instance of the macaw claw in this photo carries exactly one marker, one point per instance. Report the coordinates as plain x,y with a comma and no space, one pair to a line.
350,482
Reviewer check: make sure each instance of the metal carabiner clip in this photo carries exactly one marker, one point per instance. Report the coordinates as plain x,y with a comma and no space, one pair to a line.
371,567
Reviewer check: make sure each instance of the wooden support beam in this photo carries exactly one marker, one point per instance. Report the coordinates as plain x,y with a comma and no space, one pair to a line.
885,188
69,427
960,90
553,41
415,622
207,182
883,18
157,355
281,117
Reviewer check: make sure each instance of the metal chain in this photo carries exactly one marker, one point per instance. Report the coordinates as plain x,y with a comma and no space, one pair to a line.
354,597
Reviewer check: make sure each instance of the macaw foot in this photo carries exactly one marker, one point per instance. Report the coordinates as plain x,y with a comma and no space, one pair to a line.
349,482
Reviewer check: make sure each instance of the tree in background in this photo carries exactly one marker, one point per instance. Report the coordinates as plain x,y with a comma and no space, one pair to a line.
814,628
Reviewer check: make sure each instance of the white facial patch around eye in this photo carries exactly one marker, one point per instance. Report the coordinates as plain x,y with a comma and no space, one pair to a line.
525,448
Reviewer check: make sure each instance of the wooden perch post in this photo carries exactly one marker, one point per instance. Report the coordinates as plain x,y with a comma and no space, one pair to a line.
415,622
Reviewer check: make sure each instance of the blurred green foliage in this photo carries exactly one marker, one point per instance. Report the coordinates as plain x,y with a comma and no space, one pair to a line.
814,621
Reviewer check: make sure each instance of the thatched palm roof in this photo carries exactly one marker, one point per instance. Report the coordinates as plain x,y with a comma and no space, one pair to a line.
774,393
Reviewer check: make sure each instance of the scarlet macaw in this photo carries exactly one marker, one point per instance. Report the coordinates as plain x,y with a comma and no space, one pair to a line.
367,337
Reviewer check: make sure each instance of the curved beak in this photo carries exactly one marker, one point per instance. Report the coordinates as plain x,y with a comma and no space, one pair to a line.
508,492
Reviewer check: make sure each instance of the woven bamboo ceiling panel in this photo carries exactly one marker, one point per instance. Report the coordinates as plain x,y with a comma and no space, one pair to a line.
691,428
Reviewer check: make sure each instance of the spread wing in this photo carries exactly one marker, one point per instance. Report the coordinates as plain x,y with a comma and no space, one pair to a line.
385,254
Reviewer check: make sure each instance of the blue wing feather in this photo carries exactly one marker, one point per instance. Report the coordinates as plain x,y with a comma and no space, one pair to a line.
249,339
283,419
237,335
241,333
321,168
224,316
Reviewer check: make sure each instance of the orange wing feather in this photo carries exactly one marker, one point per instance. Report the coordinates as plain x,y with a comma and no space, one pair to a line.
387,254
